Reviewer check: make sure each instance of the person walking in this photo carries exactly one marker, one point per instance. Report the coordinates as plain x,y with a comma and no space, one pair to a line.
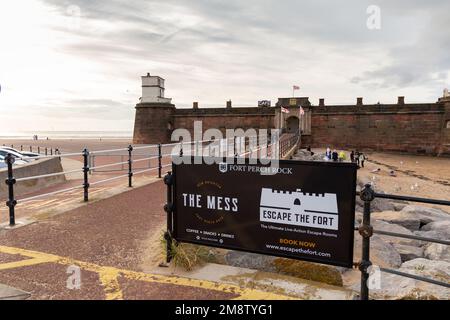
362,158
342,156
328,153
334,155
357,157
352,156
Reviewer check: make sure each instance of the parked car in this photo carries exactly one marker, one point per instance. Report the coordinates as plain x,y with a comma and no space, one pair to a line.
24,153
2,162
4,153
4,165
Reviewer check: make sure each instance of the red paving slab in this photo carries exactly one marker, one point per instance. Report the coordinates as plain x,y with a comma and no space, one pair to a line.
49,281
10,257
109,232
135,290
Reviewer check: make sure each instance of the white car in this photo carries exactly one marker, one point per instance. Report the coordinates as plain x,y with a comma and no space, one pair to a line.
2,162
23,153
18,156
4,165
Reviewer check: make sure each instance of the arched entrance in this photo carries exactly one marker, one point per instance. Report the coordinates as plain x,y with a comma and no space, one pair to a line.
292,124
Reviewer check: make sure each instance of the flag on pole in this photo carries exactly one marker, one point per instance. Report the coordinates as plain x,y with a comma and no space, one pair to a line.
302,112
284,110
294,87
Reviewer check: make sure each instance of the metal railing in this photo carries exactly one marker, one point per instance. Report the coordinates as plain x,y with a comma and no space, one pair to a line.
35,149
126,163
286,144
367,194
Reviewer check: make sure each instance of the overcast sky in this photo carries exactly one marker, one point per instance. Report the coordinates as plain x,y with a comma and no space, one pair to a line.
76,65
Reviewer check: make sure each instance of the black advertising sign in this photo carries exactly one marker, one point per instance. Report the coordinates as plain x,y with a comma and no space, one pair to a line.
304,211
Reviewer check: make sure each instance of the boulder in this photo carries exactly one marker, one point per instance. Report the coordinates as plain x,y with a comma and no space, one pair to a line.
390,227
392,286
437,251
358,217
433,234
427,214
379,204
409,252
407,220
308,270
441,226
301,269
376,205
399,206
249,260
382,253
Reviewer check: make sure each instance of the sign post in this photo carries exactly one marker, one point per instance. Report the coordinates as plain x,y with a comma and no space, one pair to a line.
299,209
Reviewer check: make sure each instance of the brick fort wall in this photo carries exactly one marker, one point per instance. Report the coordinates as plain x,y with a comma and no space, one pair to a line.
413,128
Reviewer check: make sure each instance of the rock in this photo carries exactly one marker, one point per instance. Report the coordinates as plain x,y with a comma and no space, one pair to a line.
301,269
414,217
376,205
437,251
390,227
393,286
310,271
358,217
249,260
382,253
359,208
379,204
442,226
399,206
407,220
359,202
433,234
427,214
409,252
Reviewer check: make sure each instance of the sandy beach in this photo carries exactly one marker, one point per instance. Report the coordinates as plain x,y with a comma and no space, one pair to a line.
418,176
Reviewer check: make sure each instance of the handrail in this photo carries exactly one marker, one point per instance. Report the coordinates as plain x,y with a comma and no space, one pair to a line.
51,156
367,194
106,151
108,165
415,277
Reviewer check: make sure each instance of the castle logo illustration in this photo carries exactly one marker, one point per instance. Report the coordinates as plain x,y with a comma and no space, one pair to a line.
299,208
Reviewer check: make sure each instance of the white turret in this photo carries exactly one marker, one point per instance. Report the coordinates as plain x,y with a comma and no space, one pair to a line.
153,90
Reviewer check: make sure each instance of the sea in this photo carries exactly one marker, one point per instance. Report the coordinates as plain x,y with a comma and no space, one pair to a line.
67,135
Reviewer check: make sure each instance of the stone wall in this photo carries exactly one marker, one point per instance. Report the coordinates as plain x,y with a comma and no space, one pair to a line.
414,128
153,123
225,118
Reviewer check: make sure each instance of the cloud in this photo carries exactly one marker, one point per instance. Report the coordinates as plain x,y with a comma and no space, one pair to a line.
211,51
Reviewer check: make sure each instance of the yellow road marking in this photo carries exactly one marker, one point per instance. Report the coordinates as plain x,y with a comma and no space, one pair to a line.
22,263
109,279
109,276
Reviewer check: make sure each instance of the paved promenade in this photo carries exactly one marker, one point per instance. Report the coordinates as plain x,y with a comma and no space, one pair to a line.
107,240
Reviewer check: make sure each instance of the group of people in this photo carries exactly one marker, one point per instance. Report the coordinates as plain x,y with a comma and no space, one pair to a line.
358,158
335,155
355,156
